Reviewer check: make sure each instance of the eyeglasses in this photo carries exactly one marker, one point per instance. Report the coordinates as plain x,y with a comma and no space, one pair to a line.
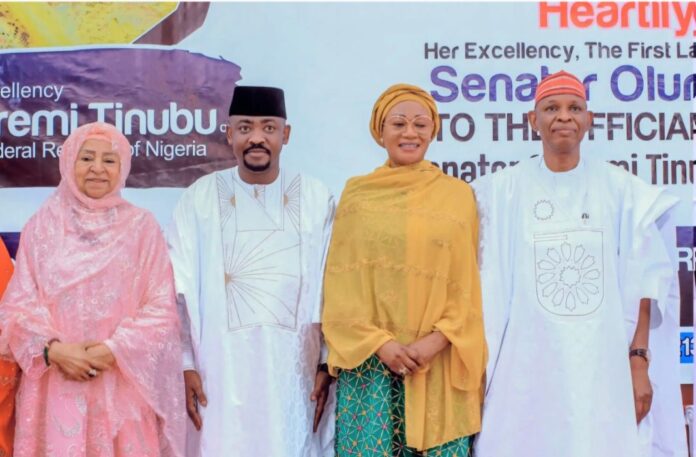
397,123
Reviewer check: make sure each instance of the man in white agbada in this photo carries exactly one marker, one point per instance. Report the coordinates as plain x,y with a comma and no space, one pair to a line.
248,246
575,275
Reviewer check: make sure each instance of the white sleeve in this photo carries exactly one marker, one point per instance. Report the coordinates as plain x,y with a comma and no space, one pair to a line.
188,359
647,270
326,239
495,210
182,240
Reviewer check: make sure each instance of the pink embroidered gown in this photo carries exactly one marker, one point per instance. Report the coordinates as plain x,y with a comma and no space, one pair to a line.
95,270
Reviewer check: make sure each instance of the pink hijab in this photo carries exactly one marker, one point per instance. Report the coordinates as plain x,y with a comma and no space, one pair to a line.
71,147
95,270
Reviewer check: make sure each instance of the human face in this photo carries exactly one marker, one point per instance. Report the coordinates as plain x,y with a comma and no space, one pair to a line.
407,132
256,143
562,121
97,168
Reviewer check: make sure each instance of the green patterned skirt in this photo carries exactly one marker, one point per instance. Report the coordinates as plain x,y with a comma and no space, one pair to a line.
370,416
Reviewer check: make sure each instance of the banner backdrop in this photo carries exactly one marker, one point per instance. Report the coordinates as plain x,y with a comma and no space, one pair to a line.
164,74
175,139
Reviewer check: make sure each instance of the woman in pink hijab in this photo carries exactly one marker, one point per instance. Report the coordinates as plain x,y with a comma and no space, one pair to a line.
90,316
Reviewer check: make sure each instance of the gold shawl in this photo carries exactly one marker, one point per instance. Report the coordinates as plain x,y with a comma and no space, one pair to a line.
402,263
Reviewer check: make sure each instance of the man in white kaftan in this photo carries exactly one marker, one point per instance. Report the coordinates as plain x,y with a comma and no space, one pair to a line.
248,261
566,257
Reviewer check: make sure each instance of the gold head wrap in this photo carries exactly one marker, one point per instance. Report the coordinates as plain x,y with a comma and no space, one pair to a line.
396,94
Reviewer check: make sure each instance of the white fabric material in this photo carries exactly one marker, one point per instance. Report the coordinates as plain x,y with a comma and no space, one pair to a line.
669,439
565,258
248,262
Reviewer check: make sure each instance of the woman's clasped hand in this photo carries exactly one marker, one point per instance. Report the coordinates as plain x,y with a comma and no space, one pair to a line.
80,361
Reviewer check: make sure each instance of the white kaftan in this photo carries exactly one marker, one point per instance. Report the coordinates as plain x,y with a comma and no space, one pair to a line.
248,261
565,259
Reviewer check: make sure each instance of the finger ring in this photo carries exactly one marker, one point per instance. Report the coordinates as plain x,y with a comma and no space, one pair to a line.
92,373
403,371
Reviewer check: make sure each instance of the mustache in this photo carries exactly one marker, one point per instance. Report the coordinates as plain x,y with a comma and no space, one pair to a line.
256,147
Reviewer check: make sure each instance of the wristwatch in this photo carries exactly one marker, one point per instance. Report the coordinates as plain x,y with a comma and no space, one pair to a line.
46,347
640,352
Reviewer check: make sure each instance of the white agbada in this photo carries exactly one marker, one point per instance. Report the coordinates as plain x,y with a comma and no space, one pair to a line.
249,261
565,259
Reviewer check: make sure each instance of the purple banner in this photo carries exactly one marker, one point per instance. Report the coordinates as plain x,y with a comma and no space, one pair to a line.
174,117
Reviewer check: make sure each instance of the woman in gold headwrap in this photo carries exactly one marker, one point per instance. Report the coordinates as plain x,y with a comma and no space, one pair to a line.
402,300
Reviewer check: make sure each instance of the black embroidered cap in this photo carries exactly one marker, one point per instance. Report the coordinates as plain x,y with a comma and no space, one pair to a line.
258,101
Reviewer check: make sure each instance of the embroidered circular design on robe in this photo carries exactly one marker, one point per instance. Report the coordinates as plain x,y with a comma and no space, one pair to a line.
569,272
543,210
